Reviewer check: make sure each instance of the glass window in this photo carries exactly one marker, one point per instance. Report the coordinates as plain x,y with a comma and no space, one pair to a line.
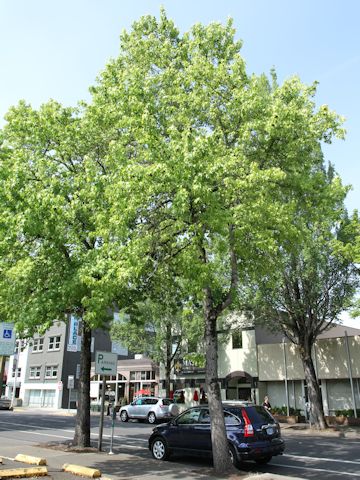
132,375
258,414
189,417
205,416
35,372
51,371
230,419
38,345
54,343
19,346
237,339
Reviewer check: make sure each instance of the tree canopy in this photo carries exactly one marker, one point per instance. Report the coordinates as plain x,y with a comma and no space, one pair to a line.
181,159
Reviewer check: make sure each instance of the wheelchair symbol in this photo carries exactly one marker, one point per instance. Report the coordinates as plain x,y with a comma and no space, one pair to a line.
7,333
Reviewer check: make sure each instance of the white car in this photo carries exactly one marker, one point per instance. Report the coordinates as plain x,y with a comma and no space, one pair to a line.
150,409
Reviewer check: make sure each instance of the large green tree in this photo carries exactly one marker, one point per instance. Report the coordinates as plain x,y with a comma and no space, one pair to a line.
306,293
208,162
48,244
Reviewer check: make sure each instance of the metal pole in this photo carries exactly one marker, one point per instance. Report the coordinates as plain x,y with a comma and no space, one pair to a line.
2,369
69,399
113,414
350,373
101,424
286,381
14,366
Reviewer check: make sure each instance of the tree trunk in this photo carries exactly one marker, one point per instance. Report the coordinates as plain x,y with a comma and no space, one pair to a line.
82,427
167,378
221,457
168,359
316,407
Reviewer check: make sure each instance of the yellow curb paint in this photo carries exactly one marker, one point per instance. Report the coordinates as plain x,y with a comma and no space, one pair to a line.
23,472
80,470
28,459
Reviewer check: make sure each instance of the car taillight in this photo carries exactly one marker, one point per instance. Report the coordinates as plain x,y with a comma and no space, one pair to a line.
249,429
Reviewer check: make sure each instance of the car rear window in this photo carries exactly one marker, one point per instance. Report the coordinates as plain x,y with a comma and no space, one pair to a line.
167,401
258,414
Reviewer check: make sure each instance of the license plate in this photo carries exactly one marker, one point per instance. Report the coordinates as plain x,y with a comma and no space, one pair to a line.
270,431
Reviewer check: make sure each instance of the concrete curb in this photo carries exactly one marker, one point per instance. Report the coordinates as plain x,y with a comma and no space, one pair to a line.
23,472
80,470
31,460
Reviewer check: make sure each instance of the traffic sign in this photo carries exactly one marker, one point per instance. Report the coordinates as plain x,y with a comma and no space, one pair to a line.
7,339
70,382
105,363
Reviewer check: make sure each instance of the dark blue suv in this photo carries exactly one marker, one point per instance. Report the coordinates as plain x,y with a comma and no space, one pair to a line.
252,432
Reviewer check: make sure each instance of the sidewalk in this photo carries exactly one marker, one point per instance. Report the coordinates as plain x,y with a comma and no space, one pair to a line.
343,431
121,466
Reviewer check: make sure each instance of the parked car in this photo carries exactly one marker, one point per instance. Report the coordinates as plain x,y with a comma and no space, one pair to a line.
5,403
150,409
252,433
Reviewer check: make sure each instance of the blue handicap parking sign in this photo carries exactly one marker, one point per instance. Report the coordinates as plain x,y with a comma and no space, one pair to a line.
7,333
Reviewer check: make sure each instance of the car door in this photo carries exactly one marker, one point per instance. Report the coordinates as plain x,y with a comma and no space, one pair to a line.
194,430
149,405
134,409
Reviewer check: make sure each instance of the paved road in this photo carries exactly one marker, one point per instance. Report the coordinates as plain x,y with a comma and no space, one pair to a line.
307,456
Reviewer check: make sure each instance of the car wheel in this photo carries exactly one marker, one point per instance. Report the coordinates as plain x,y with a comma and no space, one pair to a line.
263,460
152,418
159,449
124,416
233,456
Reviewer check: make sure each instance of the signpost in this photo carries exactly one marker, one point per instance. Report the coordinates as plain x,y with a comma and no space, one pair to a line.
105,364
70,386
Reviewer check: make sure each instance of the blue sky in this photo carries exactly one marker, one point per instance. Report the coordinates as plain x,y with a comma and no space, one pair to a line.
55,49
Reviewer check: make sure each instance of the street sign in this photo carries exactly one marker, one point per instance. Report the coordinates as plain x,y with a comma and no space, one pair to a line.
105,363
7,339
70,382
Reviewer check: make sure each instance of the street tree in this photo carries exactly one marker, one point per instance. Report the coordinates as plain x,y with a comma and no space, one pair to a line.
48,241
312,284
162,328
204,159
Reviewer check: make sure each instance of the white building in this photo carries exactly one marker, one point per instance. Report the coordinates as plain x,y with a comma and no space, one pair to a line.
254,362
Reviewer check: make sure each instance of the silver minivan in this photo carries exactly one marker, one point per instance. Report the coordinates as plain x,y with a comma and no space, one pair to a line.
148,408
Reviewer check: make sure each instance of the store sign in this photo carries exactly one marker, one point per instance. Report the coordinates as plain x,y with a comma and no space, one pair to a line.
7,339
73,342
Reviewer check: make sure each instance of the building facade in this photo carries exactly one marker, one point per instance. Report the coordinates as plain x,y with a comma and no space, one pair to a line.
254,362
44,371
